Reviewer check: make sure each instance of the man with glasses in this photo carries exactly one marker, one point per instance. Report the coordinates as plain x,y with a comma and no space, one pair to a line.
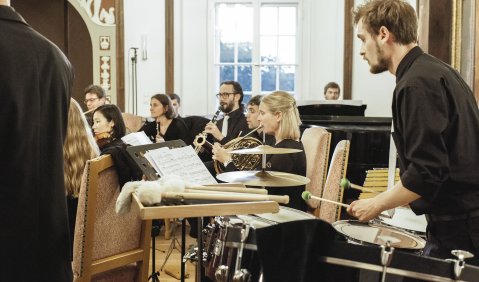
94,97
234,123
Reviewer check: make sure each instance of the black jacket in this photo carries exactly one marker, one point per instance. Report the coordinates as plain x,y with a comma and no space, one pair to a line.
35,89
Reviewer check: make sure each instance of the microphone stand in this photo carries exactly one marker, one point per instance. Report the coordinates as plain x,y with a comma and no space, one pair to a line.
133,81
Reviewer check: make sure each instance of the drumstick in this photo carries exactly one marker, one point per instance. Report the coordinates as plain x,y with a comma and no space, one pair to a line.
225,197
218,192
228,189
348,185
306,195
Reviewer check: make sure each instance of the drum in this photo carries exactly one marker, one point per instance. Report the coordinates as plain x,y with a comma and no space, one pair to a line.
230,244
406,219
372,233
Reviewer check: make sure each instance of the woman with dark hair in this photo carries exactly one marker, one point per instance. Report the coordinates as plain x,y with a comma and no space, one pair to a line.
109,128
165,127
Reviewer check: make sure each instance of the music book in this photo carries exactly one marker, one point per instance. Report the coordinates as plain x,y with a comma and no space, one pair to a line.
136,138
183,162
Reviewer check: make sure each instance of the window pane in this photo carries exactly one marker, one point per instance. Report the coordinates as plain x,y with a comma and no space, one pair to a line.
287,49
287,21
227,52
268,49
268,78
245,77
269,21
246,98
227,73
286,78
245,52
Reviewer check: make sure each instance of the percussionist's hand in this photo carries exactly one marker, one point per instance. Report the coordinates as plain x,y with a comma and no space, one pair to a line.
212,129
365,210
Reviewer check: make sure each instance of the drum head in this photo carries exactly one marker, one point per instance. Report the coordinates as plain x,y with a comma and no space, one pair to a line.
286,214
371,233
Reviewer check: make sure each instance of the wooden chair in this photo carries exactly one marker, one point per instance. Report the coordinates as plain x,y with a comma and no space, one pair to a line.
107,247
316,142
332,189
133,123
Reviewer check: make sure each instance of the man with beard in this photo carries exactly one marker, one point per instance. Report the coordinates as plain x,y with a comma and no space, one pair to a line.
234,122
436,131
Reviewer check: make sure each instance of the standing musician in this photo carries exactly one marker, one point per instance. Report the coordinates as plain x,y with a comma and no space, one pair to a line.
279,116
221,154
436,131
234,122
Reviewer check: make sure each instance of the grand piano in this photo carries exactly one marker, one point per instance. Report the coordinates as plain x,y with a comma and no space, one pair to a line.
369,136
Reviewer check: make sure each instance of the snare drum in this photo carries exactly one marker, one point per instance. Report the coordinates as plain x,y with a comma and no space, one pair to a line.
372,233
223,241
406,219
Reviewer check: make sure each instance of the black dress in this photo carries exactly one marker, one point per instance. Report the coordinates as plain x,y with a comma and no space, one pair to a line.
294,163
35,88
176,130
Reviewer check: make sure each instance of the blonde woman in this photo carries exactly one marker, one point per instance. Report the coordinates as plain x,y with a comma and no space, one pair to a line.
79,147
279,116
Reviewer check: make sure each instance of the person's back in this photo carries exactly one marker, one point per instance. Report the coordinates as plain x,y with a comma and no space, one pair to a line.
35,88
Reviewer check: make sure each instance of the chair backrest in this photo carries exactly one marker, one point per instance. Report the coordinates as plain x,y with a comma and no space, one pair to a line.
107,247
316,142
133,123
332,189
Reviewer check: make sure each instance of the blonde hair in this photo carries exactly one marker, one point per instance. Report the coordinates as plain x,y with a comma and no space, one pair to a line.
281,101
79,147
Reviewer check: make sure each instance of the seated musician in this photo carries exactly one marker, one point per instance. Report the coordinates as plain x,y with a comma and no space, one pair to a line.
278,113
234,123
436,131
221,154
165,127
109,128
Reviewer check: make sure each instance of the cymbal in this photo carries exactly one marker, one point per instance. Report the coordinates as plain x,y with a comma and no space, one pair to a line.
265,149
263,178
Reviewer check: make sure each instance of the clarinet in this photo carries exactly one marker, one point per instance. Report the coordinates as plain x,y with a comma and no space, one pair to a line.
200,139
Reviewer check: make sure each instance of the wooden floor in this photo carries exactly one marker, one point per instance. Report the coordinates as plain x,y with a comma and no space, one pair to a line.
173,263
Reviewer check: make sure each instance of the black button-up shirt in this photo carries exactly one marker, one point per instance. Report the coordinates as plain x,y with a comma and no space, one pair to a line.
436,124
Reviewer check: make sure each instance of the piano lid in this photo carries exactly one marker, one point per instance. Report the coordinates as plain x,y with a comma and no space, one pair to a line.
331,107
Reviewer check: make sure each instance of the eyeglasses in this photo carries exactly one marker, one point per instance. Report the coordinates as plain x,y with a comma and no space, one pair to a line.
224,95
90,100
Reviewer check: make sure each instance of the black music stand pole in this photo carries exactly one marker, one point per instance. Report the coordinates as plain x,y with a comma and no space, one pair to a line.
155,231
199,241
183,249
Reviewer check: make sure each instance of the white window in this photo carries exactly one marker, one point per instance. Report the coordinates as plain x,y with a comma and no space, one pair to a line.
255,43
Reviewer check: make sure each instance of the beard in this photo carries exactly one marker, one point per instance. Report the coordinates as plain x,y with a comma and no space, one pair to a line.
383,63
227,107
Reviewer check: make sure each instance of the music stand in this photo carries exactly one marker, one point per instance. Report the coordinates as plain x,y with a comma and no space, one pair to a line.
138,155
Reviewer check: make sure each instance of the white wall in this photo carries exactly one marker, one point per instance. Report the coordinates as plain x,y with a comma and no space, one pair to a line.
375,90
145,17
321,55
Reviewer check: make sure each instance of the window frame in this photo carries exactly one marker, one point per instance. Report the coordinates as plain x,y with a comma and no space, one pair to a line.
256,64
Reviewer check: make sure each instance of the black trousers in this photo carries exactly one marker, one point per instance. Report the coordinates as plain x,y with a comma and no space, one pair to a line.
443,236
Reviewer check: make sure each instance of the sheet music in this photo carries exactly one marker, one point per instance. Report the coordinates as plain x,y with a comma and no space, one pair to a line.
136,138
157,153
183,162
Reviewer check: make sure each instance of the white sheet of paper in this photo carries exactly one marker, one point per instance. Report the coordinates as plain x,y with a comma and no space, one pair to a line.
183,162
136,138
